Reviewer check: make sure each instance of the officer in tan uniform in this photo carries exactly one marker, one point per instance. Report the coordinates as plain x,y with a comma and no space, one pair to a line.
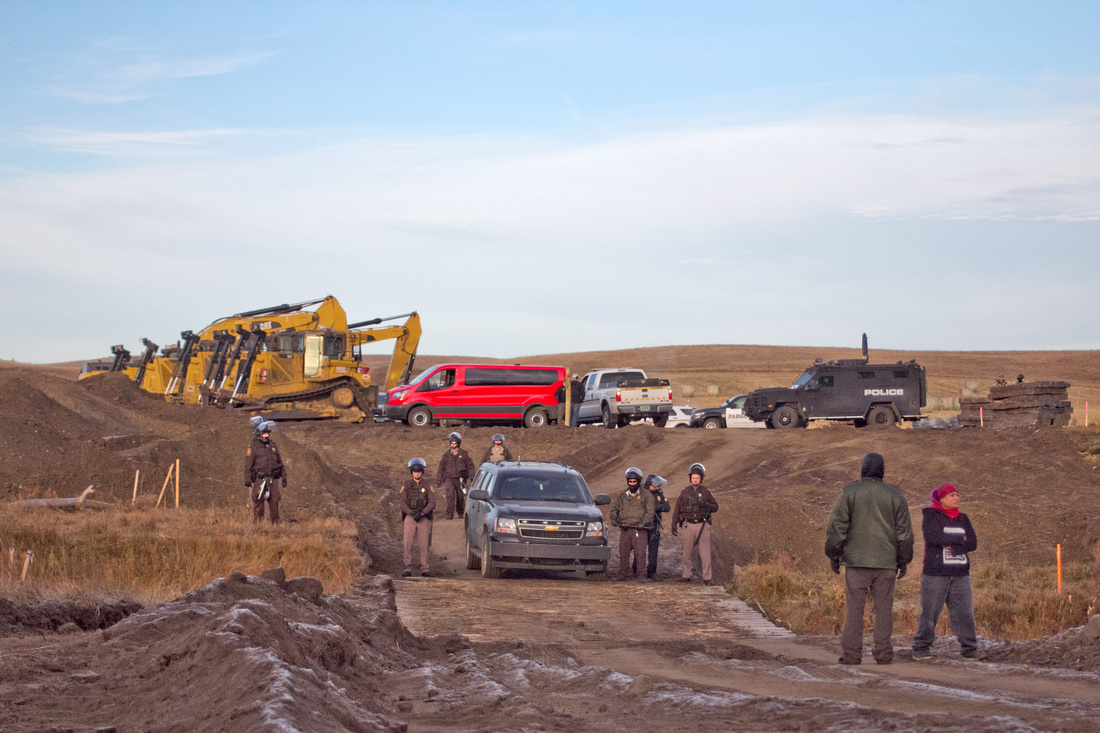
263,467
691,519
417,505
497,451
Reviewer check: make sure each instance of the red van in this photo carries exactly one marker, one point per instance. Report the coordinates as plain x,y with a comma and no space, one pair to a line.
491,392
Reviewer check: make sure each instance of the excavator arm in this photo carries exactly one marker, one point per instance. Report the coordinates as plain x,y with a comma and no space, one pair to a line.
407,338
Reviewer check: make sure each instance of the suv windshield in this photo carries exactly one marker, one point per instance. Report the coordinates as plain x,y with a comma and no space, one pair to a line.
806,377
540,487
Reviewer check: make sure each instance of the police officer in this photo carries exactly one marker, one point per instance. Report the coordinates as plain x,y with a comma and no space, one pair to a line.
455,469
632,513
576,397
691,518
655,484
497,451
417,505
262,467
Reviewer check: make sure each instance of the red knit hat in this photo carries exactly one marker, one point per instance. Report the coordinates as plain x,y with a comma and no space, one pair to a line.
943,491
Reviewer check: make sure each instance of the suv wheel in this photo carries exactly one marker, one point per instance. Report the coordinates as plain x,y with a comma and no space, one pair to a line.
712,422
785,417
609,420
473,562
596,576
487,569
881,416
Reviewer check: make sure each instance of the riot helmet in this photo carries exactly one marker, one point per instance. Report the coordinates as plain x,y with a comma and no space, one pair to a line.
417,464
455,438
633,474
653,481
498,436
697,468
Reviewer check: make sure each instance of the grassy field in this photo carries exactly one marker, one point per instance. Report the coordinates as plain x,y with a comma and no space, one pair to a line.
1010,603
152,556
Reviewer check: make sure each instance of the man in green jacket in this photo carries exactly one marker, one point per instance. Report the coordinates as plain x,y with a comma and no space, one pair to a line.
871,535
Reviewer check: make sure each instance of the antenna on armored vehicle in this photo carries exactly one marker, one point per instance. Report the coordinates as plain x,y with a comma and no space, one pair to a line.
865,358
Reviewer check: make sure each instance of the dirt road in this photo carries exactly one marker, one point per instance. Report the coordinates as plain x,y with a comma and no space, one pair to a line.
702,640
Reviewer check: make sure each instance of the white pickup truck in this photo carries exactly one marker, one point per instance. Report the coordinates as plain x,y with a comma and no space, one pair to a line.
616,397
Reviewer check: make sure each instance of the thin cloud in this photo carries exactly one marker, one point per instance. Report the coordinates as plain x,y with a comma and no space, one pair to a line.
80,141
106,78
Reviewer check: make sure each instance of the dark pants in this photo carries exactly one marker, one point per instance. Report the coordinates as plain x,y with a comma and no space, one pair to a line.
858,584
573,410
632,540
456,500
935,591
273,497
654,544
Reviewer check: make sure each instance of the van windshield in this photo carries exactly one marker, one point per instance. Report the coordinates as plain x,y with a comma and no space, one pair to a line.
417,379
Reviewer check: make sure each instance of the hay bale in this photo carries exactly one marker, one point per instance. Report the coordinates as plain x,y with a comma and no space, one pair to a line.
713,391
687,390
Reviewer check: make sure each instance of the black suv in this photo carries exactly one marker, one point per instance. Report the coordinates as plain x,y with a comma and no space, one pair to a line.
532,515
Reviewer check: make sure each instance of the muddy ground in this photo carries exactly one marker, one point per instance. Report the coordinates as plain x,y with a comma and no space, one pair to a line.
526,652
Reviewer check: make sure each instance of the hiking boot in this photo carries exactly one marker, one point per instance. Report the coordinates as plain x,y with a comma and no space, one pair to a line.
426,574
845,660
708,582
922,656
407,574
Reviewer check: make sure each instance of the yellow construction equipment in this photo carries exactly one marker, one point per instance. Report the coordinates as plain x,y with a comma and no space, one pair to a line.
287,362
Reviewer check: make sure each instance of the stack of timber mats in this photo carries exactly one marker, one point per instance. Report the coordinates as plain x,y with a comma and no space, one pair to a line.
1020,405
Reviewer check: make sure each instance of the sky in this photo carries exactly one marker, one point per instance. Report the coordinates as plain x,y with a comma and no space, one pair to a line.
553,177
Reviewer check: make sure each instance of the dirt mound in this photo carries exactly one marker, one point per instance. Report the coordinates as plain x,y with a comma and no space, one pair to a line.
239,653
58,436
1069,650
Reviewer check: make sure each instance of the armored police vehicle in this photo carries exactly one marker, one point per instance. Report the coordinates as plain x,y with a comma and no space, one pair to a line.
875,395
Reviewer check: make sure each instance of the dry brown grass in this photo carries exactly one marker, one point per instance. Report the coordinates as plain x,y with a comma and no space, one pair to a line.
1010,602
153,556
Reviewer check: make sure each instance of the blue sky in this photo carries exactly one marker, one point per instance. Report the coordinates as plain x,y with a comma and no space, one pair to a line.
553,177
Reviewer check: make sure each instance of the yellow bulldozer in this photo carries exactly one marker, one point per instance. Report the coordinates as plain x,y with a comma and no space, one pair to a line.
286,362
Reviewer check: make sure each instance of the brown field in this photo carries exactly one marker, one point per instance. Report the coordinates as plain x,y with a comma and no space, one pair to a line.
1026,491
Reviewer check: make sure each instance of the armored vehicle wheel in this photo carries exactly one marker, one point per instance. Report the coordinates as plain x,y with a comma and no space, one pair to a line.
609,420
786,417
661,420
881,416
712,422
487,569
473,562
536,417
419,417
343,397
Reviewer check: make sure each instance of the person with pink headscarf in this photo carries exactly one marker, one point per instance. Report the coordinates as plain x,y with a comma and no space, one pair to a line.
948,540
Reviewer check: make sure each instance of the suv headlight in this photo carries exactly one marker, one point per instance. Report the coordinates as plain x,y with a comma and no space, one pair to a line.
398,395
505,525
595,529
